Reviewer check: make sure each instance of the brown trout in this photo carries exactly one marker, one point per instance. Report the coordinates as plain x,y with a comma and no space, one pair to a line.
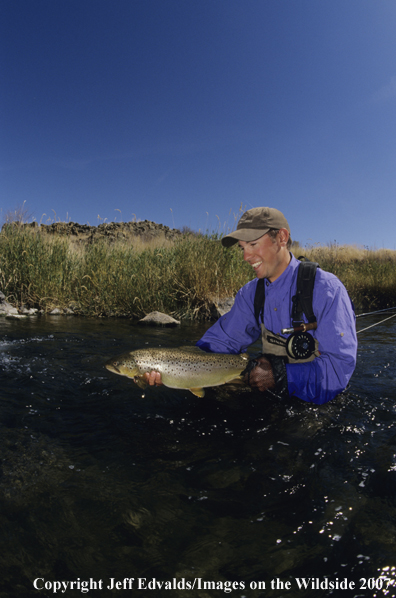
184,367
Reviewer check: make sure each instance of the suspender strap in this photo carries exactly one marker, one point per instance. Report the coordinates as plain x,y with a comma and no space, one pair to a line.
302,301
259,299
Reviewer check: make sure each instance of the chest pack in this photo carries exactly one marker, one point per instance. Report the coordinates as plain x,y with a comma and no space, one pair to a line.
299,346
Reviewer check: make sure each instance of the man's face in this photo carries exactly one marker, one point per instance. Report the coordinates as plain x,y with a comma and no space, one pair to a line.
268,257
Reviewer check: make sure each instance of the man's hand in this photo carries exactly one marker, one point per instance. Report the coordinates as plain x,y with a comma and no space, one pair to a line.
261,376
153,378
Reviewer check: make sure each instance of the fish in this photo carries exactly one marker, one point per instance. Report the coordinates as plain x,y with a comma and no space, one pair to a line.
187,368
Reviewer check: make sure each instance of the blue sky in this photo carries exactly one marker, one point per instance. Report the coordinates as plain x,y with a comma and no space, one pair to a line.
182,111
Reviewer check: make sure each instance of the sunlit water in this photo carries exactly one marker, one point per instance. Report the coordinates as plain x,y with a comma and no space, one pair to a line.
233,493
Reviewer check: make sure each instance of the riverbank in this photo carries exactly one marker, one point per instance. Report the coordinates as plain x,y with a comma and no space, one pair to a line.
131,269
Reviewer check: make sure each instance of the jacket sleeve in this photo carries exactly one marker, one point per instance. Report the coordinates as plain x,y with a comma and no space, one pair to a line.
237,329
322,379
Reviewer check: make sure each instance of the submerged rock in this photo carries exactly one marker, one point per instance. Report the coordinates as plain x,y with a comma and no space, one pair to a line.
157,318
28,311
6,309
63,311
221,306
16,316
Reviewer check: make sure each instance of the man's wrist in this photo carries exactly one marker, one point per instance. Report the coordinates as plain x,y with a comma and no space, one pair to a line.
278,365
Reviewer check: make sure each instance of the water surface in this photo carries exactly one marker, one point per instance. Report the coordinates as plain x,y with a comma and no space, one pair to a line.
103,480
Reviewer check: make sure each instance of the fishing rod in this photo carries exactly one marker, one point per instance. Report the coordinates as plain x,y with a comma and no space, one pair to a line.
370,313
304,340
375,312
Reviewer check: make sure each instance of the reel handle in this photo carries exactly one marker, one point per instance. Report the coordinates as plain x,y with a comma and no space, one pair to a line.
302,328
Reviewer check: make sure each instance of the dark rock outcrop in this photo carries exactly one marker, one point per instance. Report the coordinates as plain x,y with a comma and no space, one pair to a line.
111,231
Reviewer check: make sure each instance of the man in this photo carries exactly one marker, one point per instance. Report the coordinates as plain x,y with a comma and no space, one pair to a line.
263,235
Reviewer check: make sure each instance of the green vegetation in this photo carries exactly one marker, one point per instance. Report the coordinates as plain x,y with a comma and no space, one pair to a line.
181,278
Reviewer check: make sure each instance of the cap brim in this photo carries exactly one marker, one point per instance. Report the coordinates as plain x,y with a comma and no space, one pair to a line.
243,234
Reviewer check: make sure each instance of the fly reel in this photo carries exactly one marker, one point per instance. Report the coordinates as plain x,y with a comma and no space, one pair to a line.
300,345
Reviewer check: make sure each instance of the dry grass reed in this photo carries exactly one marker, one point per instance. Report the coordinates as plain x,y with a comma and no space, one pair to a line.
368,274
179,277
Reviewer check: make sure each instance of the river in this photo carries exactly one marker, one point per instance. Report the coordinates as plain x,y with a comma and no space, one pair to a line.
120,491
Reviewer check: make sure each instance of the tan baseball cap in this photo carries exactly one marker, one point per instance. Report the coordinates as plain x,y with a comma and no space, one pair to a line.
254,223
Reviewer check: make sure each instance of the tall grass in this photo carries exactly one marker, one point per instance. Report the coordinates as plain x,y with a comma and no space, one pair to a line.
182,278
369,275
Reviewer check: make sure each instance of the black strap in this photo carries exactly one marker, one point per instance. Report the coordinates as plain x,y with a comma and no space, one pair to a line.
259,299
302,301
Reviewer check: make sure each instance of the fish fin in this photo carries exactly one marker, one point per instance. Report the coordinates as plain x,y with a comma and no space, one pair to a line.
139,381
237,380
198,392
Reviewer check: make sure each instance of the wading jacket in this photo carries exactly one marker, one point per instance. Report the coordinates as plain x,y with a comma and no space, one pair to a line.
317,381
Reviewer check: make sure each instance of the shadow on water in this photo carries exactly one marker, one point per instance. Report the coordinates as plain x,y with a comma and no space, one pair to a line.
101,480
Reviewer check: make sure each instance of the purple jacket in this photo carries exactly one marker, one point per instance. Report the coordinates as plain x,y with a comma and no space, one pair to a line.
317,381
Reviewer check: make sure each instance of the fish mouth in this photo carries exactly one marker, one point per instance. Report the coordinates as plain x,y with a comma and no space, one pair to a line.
112,368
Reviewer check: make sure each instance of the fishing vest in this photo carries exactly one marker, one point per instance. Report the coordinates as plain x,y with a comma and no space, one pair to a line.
297,345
